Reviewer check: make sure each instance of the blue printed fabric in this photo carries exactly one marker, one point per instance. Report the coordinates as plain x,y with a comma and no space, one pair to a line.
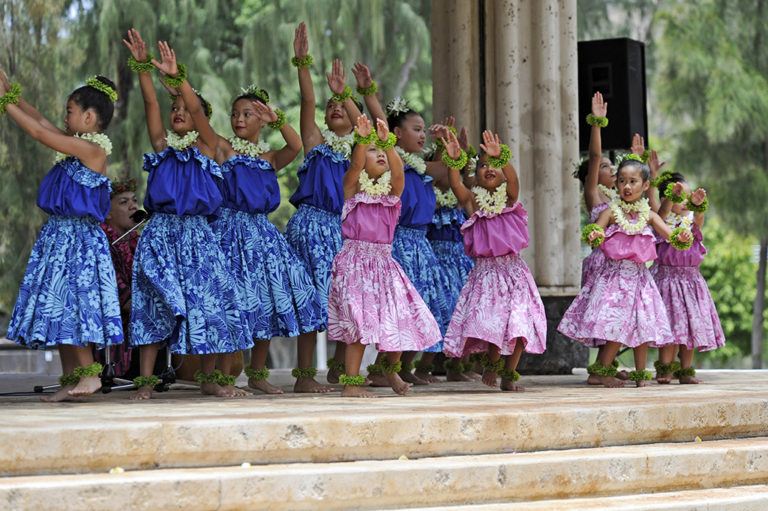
455,266
69,292
446,224
72,189
321,177
250,185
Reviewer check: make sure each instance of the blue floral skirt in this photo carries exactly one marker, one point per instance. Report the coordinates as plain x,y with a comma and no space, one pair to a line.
411,249
183,292
315,235
274,287
455,266
69,292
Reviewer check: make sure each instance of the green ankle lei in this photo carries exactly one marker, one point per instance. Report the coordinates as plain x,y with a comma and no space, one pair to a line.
662,369
257,374
335,365
68,379
216,377
88,371
352,381
146,381
374,370
389,368
688,372
454,365
423,367
493,367
643,375
509,374
599,369
307,372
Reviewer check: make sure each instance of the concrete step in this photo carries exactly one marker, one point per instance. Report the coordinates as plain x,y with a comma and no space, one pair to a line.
737,498
511,477
183,429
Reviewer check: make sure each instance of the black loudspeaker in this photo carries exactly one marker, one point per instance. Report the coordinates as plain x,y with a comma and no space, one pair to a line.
616,68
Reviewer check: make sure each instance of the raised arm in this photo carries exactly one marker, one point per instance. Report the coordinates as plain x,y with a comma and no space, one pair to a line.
352,176
653,194
29,109
591,192
495,149
698,199
281,157
310,132
337,82
453,150
155,128
365,83
397,180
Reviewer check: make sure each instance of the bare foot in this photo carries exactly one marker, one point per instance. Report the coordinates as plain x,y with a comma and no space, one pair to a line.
473,376
642,383
60,395
378,380
264,386
86,386
427,377
622,375
663,379
333,375
143,393
411,378
689,380
356,391
237,391
594,379
214,389
310,386
456,376
511,386
398,385
489,378
611,382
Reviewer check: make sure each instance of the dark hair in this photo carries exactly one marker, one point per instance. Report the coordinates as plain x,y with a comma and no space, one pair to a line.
357,102
207,108
670,179
90,97
396,119
582,169
645,172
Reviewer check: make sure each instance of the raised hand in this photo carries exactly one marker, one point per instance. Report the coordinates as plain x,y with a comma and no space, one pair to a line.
463,138
382,129
698,196
451,144
684,236
491,144
677,189
336,78
654,164
264,112
5,84
167,62
439,131
638,144
300,41
136,45
363,126
599,107
362,75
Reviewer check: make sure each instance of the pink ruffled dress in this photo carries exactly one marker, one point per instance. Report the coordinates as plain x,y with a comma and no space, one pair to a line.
622,303
594,260
499,303
692,314
372,301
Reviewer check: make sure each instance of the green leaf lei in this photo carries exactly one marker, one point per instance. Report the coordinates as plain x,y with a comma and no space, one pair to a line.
594,120
280,122
306,372
458,163
352,381
674,239
588,229
368,91
304,61
144,66
175,81
88,371
387,144
257,374
12,97
500,161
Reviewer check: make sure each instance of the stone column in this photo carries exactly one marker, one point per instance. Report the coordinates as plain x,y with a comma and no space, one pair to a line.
529,69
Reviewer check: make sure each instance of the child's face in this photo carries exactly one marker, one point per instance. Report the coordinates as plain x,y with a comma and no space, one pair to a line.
245,121
607,175
630,183
123,206
181,121
376,162
679,208
488,177
77,120
336,118
411,134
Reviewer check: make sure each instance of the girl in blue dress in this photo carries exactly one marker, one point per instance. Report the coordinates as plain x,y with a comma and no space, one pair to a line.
410,247
314,231
183,293
274,286
68,298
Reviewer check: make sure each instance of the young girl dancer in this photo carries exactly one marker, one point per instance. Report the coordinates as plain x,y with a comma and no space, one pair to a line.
692,314
68,298
274,286
372,301
183,293
314,231
623,305
410,247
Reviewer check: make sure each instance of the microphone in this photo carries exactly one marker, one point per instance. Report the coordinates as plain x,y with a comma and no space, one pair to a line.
140,217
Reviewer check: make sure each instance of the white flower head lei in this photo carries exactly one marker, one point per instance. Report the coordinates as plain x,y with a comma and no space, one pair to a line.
339,144
685,221
621,209
493,203
180,143
446,199
100,139
377,188
398,105
414,160
611,193
248,148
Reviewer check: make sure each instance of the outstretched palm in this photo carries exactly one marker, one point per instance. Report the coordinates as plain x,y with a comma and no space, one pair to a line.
451,144
363,126
136,45
599,107
167,62
336,78
300,41
362,75
491,144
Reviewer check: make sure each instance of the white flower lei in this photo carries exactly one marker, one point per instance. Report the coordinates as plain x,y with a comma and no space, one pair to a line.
447,199
339,144
414,160
685,221
381,186
100,139
180,143
492,203
620,210
248,148
608,192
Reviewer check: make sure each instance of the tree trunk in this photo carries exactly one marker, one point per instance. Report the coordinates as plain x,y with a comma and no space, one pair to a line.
759,306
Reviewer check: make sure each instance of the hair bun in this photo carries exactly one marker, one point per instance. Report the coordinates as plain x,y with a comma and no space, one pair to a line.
104,85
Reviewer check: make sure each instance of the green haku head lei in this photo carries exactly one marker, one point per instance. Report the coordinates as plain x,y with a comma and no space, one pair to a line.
255,90
100,86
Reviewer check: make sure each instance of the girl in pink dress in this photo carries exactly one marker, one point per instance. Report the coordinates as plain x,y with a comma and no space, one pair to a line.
499,311
623,305
692,314
372,301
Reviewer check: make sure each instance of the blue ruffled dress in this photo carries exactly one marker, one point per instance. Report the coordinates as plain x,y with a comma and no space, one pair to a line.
274,287
444,234
69,292
411,249
314,231
183,291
